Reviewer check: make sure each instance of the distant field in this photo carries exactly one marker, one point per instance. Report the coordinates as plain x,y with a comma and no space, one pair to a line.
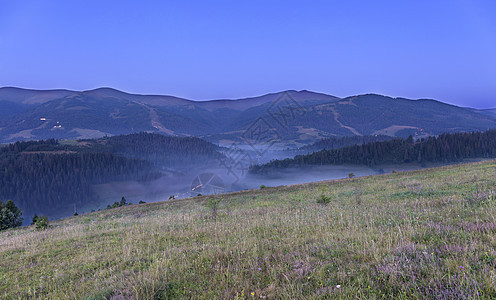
427,234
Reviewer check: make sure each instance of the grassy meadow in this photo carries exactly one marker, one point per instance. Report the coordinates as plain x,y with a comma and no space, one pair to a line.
420,234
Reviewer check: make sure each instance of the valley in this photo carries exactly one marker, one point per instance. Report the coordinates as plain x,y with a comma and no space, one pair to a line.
39,175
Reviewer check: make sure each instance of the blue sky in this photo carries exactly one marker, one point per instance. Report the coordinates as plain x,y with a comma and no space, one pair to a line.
201,50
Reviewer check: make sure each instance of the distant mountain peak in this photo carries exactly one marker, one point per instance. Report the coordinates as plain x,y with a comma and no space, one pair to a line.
105,89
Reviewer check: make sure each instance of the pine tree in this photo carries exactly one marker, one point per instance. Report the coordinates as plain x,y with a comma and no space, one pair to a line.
10,215
35,219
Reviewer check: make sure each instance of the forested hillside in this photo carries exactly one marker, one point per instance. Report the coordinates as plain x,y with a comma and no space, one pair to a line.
44,181
47,176
444,148
160,149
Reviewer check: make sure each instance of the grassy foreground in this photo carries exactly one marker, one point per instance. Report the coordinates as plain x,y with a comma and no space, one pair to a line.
422,234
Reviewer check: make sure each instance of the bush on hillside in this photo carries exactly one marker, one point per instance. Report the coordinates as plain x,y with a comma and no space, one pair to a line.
41,223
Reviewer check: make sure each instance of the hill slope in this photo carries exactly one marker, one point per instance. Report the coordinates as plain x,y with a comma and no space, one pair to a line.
294,118
387,236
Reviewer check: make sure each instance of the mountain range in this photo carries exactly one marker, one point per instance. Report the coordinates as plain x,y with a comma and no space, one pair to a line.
293,118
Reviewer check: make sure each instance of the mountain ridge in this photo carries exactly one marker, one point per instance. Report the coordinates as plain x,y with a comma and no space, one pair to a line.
107,89
294,118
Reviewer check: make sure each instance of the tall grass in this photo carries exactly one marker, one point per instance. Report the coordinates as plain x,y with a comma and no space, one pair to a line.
423,234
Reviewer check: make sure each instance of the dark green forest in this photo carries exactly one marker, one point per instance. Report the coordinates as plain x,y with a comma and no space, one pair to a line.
47,175
449,147
47,181
162,150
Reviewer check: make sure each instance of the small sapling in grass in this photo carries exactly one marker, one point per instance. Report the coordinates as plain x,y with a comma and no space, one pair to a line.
213,205
323,198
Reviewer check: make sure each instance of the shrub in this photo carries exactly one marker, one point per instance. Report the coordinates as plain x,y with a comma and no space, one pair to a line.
141,202
123,202
262,186
351,175
41,223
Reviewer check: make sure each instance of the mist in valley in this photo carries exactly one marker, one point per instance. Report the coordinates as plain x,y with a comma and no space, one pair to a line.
216,177
215,181
228,172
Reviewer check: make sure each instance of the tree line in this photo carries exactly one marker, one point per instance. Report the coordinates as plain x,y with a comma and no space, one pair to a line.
448,147
345,141
162,150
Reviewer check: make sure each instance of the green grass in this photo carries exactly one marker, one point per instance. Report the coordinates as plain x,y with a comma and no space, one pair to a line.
422,234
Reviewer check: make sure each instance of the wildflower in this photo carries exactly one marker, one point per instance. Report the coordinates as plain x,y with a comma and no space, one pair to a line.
338,286
259,269
461,267
253,293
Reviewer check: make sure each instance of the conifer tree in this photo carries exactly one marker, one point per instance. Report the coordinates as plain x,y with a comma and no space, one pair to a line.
10,215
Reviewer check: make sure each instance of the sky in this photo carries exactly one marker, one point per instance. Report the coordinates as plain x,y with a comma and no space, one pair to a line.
200,50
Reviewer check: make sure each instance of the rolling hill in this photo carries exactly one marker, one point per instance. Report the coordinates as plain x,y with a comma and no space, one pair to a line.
416,235
292,118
